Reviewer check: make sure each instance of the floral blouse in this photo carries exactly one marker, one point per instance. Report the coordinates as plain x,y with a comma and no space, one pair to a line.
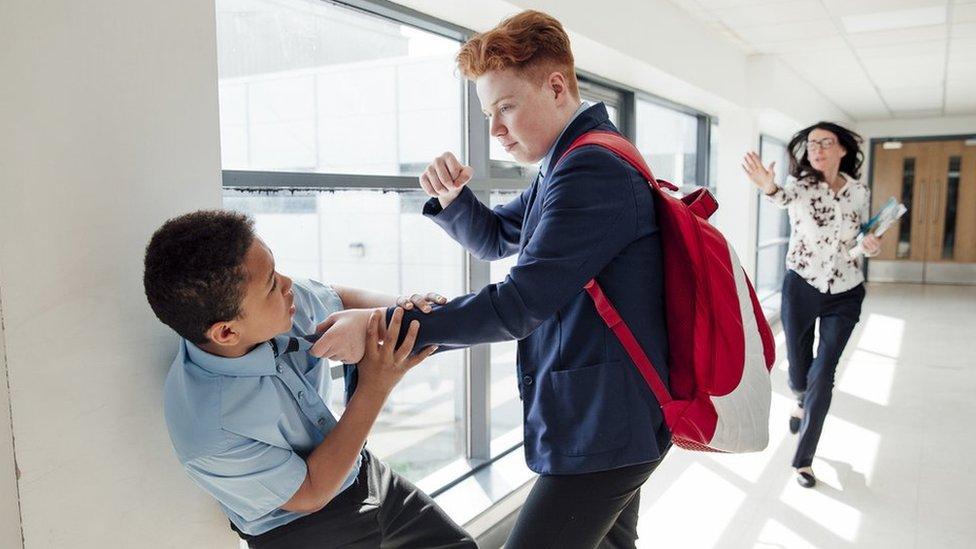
824,227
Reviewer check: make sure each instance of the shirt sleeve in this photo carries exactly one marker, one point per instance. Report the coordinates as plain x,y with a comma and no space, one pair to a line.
251,478
865,215
784,195
326,294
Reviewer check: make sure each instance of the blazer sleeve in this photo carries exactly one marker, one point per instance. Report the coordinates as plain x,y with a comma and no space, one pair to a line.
589,214
489,234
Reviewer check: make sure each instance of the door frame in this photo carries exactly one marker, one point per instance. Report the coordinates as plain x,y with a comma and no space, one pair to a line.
872,142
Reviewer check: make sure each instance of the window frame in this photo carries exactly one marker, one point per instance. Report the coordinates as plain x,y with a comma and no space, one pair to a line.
703,133
769,303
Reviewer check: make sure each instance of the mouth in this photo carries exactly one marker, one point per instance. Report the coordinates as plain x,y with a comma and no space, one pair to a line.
509,146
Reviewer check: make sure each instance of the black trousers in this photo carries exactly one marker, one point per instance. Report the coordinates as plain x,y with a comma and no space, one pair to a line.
812,378
582,511
381,509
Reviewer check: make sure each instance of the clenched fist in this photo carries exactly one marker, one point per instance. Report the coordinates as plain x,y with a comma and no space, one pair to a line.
445,177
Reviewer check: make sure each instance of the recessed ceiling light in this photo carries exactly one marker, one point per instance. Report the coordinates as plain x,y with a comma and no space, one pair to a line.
890,145
899,19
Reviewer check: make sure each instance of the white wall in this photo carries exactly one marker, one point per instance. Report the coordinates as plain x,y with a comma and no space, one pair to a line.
109,112
9,504
915,127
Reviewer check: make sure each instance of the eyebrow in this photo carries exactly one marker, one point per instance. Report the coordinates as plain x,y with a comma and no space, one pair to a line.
500,99
270,278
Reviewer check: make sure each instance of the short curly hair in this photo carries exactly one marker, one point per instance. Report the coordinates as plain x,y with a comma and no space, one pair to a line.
194,270
533,43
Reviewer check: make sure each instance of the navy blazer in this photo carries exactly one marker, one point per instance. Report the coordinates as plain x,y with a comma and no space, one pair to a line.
586,407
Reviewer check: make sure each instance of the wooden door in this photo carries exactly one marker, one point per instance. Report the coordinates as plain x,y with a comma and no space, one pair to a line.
936,240
901,173
951,213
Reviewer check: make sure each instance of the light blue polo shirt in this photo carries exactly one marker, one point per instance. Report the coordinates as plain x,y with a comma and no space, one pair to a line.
242,427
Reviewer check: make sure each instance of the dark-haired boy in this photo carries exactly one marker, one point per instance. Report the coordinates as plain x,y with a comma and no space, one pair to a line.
245,402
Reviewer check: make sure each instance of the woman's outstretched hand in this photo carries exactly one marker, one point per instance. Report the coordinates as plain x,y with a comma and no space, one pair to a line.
762,177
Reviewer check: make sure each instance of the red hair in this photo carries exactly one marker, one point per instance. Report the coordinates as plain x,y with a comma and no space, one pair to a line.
533,43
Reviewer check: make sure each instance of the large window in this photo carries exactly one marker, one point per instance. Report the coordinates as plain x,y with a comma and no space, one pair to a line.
306,85
327,114
309,87
506,406
668,139
773,231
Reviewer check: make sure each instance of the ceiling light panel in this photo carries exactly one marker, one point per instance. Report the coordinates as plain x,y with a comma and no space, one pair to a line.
896,19
811,30
772,14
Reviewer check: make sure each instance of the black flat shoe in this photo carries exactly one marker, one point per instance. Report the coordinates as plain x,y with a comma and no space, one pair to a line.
806,480
794,424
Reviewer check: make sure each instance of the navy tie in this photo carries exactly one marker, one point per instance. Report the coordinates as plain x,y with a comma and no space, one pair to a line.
289,344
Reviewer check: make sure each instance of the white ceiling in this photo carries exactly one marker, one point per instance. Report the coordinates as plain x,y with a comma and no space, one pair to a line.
872,58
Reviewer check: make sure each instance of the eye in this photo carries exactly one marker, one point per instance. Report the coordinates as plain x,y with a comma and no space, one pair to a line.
505,108
274,283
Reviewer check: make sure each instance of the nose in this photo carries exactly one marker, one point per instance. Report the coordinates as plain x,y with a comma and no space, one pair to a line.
497,129
286,284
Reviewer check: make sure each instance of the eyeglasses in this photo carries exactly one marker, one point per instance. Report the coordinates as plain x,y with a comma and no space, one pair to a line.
822,144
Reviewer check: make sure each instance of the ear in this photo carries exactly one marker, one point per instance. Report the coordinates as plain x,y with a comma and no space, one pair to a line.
224,334
557,84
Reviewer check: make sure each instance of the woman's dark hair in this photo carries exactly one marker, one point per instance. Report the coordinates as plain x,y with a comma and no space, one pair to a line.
194,270
850,164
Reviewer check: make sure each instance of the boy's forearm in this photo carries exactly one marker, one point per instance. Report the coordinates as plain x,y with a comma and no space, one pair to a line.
329,464
357,298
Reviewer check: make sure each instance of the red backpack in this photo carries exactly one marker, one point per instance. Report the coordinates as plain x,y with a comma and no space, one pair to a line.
720,346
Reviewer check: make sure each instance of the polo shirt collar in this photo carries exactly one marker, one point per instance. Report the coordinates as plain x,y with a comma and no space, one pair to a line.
260,361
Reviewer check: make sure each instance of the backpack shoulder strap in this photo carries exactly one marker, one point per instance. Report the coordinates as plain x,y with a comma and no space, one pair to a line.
618,144
616,323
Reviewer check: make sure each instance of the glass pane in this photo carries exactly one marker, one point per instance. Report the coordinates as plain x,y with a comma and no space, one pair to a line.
770,269
310,86
612,110
904,247
506,408
614,115
377,240
774,223
713,158
668,139
952,199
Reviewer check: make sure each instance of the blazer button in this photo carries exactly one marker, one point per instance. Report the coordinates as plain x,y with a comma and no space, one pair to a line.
526,380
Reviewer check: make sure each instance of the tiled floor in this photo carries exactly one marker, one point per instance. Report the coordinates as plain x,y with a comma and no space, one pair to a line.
891,464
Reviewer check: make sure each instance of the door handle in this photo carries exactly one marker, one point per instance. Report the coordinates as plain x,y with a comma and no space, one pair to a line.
920,211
